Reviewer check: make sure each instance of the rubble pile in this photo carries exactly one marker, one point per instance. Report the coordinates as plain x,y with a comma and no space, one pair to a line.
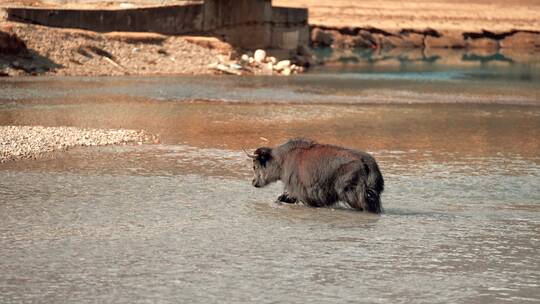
257,64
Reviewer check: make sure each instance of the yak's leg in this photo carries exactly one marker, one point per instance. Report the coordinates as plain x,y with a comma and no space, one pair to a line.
351,194
353,199
349,187
286,198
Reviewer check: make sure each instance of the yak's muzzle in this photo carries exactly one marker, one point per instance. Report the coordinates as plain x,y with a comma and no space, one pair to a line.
255,183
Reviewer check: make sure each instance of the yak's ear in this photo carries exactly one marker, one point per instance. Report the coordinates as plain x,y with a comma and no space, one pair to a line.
264,154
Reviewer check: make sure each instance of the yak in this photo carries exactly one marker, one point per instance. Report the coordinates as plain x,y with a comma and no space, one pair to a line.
320,175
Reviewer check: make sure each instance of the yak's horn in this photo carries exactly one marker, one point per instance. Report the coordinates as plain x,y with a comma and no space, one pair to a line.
249,155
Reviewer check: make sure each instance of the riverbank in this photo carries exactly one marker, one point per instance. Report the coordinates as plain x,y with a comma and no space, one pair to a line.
72,52
389,15
475,24
19,142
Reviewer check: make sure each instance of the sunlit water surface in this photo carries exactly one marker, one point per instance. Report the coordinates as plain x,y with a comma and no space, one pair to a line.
178,221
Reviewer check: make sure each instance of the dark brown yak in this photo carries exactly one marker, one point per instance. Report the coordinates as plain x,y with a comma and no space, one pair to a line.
320,175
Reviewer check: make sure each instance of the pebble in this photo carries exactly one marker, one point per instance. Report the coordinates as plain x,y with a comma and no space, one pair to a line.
282,65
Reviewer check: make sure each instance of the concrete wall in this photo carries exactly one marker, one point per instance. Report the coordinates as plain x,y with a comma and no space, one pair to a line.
289,28
244,23
256,24
170,20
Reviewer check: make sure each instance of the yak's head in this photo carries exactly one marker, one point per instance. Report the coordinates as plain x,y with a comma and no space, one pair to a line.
265,166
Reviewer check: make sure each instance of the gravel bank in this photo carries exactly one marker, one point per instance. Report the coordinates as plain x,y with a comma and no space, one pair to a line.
72,52
17,142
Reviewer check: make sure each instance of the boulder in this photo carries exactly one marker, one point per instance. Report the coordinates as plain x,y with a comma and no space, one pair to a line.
386,41
267,69
282,65
447,39
259,55
522,40
482,43
341,41
366,39
321,37
411,40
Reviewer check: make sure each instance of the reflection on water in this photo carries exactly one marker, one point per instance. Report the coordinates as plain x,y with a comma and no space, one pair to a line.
360,58
512,69
179,221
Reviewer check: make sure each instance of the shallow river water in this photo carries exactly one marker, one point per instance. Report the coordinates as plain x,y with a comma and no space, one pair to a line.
179,222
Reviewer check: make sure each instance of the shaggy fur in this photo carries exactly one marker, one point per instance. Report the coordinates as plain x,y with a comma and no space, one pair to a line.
320,175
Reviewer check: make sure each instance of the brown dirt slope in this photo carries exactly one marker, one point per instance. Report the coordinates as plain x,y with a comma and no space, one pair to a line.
78,52
462,15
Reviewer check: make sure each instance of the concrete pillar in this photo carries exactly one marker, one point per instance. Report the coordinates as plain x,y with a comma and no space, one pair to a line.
243,23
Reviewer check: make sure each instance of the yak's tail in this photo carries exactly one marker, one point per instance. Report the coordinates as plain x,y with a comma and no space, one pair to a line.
373,188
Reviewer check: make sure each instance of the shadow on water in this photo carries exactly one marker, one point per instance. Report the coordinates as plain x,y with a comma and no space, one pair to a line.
339,216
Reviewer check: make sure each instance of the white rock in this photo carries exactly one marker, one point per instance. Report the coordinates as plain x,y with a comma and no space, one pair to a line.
126,5
271,59
259,55
267,69
251,60
245,58
282,65
221,58
235,66
286,72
